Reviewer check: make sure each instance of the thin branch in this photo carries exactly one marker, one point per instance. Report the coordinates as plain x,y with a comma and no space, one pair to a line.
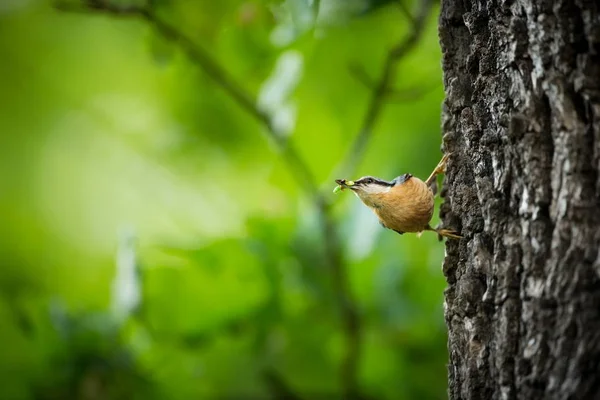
278,387
377,101
391,95
195,52
409,94
298,168
406,11
315,6
359,73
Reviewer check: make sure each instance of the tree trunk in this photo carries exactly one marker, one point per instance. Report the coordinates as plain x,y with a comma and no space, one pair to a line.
522,121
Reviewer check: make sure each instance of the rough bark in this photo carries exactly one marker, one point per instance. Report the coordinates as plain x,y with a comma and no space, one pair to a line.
522,121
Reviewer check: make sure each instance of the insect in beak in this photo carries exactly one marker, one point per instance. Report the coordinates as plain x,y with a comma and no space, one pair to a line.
342,184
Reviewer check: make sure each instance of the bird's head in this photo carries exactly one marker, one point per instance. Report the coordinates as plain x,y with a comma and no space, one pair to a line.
369,189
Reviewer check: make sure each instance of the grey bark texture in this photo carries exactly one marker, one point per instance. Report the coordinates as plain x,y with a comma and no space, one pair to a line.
522,121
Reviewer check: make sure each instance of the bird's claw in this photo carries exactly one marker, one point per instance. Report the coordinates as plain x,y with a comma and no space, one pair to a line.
441,167
450,234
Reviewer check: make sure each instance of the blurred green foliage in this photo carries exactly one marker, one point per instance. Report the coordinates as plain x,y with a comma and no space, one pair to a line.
153,243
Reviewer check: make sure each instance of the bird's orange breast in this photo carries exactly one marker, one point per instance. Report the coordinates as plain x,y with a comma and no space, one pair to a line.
407,207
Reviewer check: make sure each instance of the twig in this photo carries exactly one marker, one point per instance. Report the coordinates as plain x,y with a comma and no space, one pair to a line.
408,94
315,6
298,168
361,75
391,94
405,10
279,389
377,101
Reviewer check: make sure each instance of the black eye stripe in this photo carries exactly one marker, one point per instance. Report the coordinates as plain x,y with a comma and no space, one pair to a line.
369,180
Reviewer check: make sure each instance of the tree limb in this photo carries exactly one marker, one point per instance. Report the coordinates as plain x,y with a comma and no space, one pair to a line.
298,168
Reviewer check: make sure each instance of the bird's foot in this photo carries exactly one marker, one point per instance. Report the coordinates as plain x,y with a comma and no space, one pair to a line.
439,169
448,233
442,233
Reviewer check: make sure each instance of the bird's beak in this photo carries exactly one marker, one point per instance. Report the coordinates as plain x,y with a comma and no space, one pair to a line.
345,183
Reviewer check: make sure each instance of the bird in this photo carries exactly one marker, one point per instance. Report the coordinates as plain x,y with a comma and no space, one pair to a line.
404,204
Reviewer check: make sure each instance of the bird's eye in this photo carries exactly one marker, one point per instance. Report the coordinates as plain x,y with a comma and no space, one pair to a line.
369,180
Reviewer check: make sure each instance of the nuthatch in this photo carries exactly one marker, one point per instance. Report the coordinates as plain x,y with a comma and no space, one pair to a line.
404,204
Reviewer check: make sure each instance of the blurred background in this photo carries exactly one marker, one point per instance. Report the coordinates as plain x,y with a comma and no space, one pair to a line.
159,241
